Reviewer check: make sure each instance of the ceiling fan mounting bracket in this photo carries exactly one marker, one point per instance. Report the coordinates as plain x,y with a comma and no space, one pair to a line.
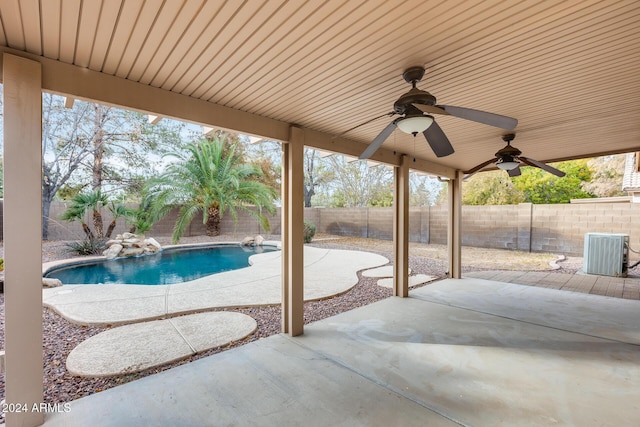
508,137
413,75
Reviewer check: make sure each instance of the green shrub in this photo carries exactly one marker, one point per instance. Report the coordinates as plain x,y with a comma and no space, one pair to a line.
309,231
87,246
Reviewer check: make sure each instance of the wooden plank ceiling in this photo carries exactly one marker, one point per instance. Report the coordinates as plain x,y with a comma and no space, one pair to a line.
566,70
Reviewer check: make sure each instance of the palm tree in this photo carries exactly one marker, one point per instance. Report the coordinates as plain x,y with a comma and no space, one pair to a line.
211,178
147,213
117,211
83,202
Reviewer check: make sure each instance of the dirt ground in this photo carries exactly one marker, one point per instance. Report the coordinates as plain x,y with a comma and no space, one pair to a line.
499,259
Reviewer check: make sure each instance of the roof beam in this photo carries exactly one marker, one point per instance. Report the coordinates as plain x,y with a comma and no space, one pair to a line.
82,83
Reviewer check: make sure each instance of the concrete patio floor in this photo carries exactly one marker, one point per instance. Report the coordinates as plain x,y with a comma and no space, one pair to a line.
456,352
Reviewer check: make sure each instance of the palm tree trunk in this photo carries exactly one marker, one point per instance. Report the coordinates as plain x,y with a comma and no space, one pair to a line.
97,223
87,231
112,226
213,223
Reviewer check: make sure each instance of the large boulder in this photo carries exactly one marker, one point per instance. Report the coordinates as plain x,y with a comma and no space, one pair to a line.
150,241
113,251
128,244
50,282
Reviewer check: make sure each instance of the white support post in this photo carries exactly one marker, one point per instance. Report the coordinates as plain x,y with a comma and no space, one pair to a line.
23,238
454,236
292,234
401,229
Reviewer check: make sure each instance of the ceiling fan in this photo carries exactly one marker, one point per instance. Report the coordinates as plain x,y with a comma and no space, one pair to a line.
509,158
416,108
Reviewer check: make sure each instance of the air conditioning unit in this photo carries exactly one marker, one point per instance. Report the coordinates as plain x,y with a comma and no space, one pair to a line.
606,254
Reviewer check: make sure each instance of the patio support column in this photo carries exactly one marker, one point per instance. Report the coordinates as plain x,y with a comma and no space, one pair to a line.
292,234
23,238
401,229
454,236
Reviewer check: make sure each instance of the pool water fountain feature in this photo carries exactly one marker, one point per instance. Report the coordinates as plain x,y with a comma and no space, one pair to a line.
129,244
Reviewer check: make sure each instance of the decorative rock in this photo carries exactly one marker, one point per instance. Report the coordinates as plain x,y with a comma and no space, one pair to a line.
113,251
150,241
384,271
132,252
252,241
128,244
51,283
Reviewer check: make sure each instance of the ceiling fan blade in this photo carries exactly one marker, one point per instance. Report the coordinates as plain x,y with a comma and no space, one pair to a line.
362,124
480,166
515,171
438,140
430,109
490,119
378,140
542,166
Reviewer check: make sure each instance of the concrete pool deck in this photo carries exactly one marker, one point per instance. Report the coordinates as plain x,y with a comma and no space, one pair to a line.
328,272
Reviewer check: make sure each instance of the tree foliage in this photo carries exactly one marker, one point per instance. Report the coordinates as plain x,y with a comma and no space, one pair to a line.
316,174
541,187
93,202
491,188
356,184
97,147
210,178
534,185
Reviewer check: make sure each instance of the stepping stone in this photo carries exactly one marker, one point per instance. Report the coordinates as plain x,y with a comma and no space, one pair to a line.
139,346
413,280
384,271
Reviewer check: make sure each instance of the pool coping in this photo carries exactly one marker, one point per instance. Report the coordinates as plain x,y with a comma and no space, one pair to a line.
328,272
50,265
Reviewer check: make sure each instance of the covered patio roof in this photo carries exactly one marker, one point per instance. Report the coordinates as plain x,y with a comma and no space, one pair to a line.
566,70
303,72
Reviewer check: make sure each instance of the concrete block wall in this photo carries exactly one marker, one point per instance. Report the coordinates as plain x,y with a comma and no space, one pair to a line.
537,228
343,222
490,226
438,218
64,230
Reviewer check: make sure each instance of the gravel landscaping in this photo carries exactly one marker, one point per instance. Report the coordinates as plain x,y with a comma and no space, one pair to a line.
60,336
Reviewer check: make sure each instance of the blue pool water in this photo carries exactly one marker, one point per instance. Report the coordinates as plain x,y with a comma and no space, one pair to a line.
164,268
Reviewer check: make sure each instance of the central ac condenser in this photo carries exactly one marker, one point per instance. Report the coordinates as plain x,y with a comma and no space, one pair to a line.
606,254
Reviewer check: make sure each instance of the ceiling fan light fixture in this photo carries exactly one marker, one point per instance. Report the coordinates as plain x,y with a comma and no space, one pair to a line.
508,163
415,124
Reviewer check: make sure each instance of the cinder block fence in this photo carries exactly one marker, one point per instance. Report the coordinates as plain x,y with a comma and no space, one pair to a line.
533,228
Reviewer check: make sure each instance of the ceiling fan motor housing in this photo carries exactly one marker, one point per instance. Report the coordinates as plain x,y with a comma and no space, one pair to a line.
414,96
508,151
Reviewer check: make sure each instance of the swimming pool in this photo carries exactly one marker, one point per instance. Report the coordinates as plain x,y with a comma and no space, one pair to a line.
164,268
